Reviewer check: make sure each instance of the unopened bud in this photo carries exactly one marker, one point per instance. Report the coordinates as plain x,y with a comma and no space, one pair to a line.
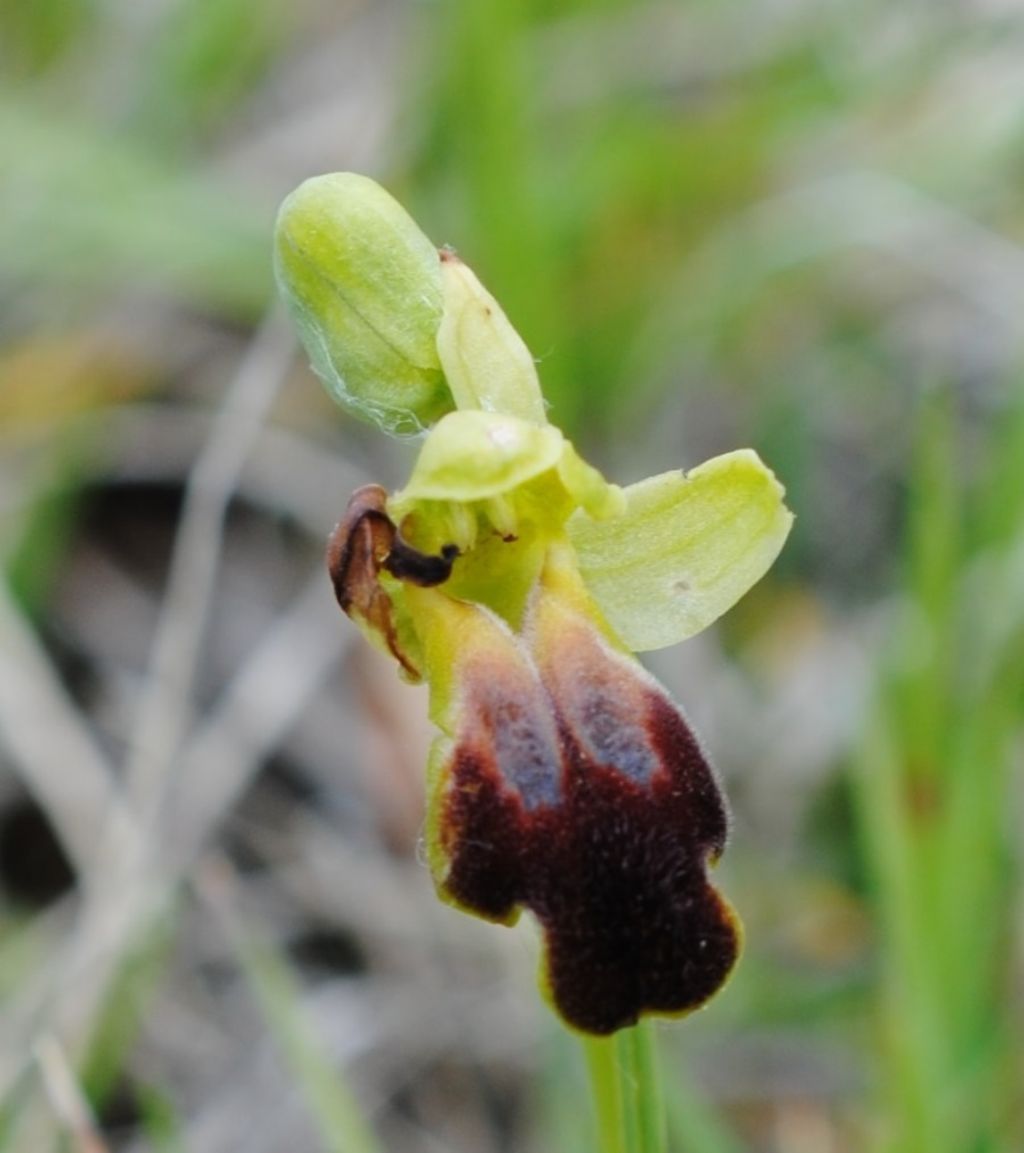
363,285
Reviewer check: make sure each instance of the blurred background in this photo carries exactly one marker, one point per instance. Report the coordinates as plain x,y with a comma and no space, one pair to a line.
790,225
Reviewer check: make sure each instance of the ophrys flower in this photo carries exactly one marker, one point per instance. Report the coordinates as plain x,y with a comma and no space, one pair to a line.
518,583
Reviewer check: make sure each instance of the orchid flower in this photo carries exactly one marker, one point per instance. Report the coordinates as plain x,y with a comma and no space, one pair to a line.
518,583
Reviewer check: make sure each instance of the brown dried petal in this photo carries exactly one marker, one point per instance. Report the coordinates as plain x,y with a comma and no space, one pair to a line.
364,543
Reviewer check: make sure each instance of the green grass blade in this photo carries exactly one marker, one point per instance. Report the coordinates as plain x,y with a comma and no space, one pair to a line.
692,1124
331,1102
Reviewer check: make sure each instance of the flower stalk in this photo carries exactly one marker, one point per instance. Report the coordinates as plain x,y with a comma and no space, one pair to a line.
625,1085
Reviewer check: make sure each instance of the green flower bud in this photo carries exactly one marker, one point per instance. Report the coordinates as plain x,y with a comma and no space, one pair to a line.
363,285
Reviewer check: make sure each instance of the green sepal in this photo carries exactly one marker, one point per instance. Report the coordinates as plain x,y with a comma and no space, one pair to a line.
363,286
686,548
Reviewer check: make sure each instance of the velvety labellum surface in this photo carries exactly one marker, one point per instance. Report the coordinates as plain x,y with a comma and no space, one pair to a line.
607,842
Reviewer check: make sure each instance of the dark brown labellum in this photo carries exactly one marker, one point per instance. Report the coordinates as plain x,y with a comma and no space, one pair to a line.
572,786
604,830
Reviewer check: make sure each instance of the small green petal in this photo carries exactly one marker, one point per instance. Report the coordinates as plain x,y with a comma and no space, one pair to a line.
363,285
484,359
473,455
588,487
688,546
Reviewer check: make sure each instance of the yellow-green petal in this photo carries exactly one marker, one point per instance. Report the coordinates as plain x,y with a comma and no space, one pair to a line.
363,285
685,550
588,487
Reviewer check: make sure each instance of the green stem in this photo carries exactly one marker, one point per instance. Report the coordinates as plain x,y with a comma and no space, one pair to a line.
606,1092
626,1086
640,1075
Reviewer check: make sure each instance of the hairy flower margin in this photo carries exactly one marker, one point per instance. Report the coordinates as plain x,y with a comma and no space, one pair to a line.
518,583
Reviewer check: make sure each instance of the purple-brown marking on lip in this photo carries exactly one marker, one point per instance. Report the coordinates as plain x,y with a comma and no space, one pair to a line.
505,766
615,869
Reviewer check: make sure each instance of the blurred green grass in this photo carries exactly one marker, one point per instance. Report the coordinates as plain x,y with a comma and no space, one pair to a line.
715,224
